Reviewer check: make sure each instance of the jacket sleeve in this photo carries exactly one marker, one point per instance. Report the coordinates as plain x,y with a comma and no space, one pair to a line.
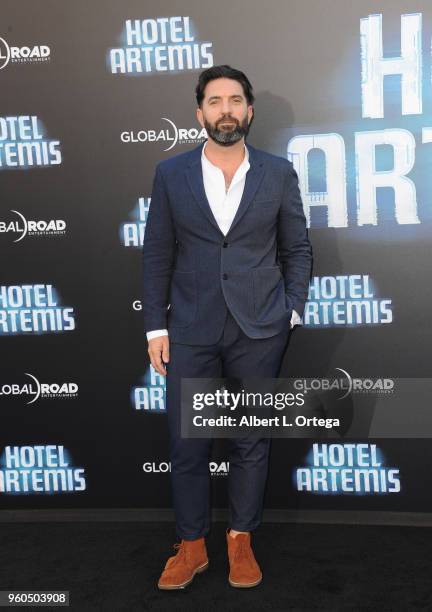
294,248
157,256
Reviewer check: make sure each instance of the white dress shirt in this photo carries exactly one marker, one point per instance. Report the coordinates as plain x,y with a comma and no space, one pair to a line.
224,205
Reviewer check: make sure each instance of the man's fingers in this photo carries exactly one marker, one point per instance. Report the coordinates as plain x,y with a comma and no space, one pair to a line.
165,348
159,350
165,354
156,361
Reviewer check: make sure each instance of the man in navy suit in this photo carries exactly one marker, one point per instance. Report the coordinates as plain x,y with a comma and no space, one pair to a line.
226,269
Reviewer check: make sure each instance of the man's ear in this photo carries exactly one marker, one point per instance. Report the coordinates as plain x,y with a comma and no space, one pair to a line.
199,116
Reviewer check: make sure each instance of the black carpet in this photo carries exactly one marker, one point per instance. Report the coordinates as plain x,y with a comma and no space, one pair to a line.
115,566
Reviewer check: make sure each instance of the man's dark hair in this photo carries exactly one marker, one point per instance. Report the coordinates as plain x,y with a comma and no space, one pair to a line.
218,72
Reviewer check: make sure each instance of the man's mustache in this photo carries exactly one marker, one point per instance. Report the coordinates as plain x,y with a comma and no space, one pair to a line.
227,120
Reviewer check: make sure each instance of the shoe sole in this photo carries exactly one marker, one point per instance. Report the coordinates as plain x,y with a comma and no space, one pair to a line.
242,585
173,587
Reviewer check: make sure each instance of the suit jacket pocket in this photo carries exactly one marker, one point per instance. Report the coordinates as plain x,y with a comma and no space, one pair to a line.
265,209
268,293
183,299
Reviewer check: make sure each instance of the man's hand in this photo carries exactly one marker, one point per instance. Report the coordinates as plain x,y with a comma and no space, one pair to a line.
158,350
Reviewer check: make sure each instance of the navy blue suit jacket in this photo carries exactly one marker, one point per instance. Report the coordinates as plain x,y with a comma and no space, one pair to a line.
191,271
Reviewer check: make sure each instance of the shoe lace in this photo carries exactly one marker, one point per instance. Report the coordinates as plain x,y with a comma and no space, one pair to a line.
181,552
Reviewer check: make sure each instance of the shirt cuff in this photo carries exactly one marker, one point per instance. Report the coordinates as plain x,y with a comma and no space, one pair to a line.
296,319
155,333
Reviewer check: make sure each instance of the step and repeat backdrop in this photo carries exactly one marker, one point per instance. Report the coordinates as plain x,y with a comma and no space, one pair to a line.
93,96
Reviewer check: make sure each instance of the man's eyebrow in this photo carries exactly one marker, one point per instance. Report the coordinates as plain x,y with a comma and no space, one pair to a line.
219,97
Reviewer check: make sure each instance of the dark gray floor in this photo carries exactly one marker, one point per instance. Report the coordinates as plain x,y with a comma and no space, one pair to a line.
115,566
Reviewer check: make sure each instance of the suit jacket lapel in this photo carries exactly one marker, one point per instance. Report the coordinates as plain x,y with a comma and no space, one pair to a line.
196,183
253,179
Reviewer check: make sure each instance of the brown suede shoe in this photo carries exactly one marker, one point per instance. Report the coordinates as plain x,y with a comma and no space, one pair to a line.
179,571
244,570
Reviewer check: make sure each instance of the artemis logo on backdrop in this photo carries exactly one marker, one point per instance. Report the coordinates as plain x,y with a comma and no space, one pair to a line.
25,54
346,469
347,300
168,134
32,390
33,309
132,232
23,144
164,44
368,177
19,227
39,469
150,395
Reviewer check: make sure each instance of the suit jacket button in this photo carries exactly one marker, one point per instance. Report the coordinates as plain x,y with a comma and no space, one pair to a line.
224,276
225,244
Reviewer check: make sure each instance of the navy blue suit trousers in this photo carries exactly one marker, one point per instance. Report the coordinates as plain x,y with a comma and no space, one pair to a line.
233,355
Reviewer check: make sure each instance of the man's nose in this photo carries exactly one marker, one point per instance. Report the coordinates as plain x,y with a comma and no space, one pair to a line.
226,107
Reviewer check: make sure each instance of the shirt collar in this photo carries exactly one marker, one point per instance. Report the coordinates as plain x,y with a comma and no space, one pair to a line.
245,163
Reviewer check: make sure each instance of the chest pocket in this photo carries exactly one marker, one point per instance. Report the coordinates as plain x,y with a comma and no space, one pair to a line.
267,206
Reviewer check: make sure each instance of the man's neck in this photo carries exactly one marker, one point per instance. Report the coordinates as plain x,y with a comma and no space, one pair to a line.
225,156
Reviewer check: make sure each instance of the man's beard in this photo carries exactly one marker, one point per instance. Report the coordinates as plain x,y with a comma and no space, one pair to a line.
227,138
